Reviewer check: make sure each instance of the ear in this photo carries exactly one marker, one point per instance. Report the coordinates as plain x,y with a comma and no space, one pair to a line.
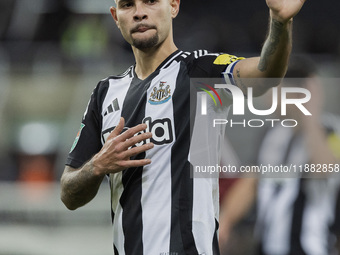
174,7
113,11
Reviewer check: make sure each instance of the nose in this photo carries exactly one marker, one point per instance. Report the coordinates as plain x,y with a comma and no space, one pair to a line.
140,13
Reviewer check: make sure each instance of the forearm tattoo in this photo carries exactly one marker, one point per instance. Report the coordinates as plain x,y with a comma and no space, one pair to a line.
271,44
239,82
81,186
85,176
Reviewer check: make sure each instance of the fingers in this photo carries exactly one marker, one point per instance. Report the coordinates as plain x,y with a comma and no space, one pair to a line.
136,150
136,140
119,128
120,147
129,138
131,132
134,163
123,161
117,132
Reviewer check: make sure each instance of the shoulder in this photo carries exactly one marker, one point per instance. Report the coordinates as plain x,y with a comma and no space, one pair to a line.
197,55
114,79
206,63
217,58
117,78
101,89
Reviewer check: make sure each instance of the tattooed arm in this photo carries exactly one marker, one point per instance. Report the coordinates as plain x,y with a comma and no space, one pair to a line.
80,186
275,52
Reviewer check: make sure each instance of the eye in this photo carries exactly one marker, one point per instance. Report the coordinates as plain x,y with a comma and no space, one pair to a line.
125,4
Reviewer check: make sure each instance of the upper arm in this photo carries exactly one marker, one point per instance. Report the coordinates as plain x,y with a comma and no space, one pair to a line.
247,68
88,140
247,75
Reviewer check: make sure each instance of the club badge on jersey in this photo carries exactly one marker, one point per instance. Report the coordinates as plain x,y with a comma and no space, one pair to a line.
160,95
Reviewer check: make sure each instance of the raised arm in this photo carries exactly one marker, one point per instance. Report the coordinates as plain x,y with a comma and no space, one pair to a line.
79,186
275,52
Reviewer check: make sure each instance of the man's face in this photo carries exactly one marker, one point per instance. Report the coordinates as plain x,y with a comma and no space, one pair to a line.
145,23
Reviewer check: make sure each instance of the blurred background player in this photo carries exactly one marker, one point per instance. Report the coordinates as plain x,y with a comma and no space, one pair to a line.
294,215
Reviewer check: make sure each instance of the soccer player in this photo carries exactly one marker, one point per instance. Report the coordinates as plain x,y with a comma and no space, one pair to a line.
156,207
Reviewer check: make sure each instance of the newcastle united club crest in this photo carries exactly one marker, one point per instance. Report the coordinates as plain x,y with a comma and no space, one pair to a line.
160,95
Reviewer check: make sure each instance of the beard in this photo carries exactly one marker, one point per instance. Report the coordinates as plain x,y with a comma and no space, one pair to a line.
143,44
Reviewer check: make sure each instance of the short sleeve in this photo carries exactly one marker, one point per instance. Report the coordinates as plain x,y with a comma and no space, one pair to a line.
88,139
213,65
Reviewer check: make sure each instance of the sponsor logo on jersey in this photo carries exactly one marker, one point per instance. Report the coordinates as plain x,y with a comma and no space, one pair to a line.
226,59
160,94
77,137
161,130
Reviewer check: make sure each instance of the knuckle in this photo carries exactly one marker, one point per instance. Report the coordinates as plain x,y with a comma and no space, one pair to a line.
122,164
130,132
111,142
117,148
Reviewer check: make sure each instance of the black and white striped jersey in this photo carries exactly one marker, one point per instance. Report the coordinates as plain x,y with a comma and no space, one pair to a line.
294,215
156,209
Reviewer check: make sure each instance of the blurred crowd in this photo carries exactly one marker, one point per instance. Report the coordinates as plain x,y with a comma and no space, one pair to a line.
83,30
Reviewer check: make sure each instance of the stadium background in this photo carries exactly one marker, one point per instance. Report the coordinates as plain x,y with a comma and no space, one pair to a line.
53,53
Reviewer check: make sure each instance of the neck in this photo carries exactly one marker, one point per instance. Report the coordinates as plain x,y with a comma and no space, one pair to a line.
147,60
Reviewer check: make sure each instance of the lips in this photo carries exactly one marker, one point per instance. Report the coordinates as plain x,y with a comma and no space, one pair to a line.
142,28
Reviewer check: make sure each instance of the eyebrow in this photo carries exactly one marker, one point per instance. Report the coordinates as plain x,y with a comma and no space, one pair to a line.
123,1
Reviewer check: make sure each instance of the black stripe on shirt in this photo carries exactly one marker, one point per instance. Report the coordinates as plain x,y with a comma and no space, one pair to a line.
132,178
181,240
